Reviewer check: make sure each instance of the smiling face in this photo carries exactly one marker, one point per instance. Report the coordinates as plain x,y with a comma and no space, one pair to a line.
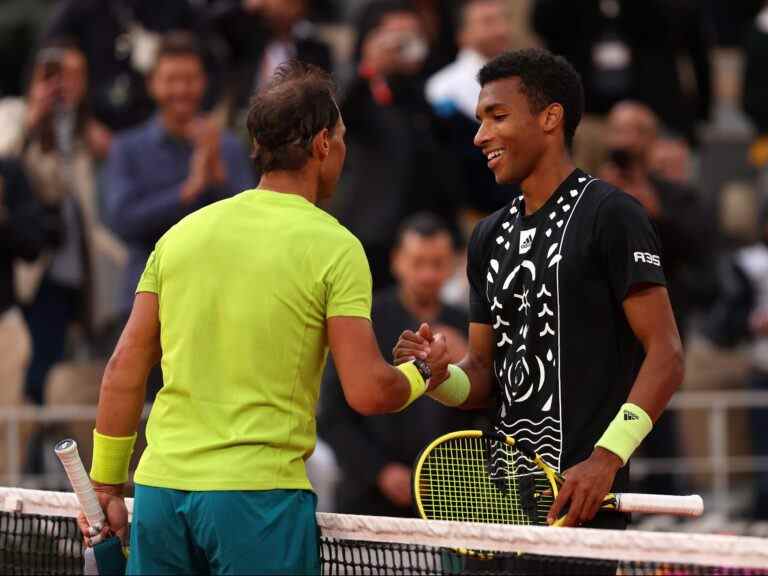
178,85
511,136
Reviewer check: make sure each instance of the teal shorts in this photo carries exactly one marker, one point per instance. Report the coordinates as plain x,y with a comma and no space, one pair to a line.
227,532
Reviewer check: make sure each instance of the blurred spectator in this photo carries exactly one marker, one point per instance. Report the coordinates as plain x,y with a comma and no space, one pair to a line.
438,20
676,209
120,40
756,62
25,229
755,91
260,35
376,453
741,314
175,163
685,232
626,49
483,33
395,163
47,132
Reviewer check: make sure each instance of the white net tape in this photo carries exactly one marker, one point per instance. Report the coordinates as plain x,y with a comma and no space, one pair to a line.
627,546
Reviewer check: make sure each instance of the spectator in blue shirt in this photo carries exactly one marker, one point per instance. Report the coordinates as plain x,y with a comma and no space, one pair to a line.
173,164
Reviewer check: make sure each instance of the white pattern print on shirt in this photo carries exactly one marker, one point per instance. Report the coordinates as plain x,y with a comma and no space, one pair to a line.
526,333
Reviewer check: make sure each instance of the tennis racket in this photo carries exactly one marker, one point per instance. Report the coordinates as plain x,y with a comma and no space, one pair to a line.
107,556
474,476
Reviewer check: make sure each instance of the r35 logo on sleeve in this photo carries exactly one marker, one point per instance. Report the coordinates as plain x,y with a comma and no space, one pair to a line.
647,258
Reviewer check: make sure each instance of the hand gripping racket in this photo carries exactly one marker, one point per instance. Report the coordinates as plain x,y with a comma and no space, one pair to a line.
473,476
107,556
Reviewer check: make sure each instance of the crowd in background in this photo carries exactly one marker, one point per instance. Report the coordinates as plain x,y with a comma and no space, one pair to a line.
119,118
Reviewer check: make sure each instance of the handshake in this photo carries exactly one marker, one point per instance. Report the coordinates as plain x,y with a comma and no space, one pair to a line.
426,346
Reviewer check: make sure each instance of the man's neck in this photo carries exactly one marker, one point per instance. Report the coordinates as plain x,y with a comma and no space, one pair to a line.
177,127
286,182
423,311
550,172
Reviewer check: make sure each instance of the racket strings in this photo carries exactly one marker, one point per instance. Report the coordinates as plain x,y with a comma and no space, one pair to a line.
474,479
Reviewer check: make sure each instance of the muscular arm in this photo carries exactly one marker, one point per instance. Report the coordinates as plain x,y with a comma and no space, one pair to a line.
370,384
121,398
649,314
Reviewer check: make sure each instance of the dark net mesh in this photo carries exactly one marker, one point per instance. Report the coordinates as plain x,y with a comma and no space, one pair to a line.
34,544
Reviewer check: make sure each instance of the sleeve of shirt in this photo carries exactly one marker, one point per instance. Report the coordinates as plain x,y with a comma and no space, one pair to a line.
150,278
629,248
478,304
349,284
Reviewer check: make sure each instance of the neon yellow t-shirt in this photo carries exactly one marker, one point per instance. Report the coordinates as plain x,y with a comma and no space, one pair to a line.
245,286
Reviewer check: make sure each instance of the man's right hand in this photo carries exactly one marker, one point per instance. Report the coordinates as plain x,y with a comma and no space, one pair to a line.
424,346
113,503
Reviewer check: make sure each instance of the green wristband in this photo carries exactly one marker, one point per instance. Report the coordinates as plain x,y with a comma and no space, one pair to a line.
111,458
415,379
625,433
454,391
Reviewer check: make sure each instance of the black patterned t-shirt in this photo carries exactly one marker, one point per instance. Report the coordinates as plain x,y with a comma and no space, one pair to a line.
552,285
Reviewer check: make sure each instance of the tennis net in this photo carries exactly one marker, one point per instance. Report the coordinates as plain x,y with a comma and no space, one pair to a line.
38,535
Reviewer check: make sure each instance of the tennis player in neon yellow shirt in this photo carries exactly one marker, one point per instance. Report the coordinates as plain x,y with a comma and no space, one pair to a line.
239,303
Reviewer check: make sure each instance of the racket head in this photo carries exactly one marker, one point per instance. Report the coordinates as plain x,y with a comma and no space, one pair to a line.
477,476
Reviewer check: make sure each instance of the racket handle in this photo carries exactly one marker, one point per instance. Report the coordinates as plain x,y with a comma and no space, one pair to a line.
660,504
66,450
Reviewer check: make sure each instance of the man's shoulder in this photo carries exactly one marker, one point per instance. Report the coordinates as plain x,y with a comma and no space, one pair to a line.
328,231
604,200
488,225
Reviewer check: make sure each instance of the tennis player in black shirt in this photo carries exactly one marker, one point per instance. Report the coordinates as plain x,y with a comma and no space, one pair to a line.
571,329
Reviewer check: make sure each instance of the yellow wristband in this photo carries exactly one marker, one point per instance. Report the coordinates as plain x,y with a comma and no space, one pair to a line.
455,390
625,433
415,379
111,458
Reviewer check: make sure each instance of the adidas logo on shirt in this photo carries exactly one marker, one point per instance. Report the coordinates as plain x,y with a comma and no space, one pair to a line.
630,416
526,240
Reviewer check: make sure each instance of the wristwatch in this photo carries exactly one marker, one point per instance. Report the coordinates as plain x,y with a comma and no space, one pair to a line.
423,369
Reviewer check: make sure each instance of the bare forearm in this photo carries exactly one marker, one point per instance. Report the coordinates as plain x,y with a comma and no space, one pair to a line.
121,398
389,392
479,374
660,376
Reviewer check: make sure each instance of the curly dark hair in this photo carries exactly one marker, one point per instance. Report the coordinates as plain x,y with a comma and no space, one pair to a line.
285,115
544,79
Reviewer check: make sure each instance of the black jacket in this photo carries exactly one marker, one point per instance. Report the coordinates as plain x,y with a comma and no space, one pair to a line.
25,227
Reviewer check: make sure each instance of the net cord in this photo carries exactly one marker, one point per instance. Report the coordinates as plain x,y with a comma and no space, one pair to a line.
629,546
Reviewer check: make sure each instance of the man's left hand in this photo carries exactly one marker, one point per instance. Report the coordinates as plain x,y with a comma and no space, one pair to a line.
586,485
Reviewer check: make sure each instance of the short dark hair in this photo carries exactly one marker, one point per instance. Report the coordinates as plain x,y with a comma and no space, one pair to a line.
297,103
544,79
178,43
424,224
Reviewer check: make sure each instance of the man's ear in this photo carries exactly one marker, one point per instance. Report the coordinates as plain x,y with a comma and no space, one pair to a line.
551,117
321,144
